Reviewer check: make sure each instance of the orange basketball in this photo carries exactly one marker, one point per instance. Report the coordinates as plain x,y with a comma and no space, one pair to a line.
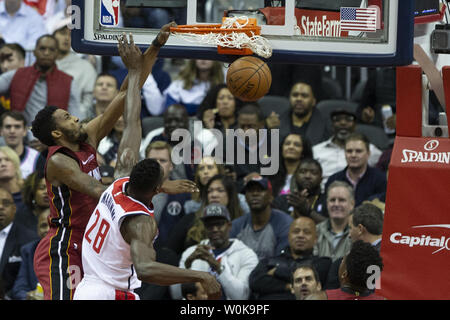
249,78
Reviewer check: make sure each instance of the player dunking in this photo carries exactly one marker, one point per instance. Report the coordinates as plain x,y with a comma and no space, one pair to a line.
118,242
72,178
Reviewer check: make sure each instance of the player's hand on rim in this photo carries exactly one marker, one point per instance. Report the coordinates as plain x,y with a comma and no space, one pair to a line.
164,34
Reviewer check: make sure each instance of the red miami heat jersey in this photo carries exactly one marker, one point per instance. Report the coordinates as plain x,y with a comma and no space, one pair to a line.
339,294
68,207
106,255
58,254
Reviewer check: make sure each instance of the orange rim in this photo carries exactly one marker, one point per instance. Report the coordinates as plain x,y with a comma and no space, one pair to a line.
213,28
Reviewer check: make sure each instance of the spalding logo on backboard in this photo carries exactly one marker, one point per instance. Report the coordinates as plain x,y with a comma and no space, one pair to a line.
109,12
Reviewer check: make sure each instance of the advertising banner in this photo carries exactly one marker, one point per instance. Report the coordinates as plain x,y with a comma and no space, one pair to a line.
416,231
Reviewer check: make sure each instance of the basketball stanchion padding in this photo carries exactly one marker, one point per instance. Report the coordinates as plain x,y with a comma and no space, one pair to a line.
415,245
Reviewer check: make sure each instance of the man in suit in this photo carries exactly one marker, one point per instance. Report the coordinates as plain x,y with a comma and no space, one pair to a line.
365,223
12,237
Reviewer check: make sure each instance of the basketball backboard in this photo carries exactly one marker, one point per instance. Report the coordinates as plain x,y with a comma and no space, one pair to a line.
307,32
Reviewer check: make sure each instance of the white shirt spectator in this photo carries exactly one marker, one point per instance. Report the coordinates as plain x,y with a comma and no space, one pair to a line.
237,262
24,27
154,99
3,235
29,161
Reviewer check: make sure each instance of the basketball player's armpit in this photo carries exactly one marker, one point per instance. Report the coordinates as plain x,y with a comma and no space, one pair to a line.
62,169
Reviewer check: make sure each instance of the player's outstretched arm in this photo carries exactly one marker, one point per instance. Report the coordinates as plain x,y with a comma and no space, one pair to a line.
128,151
178,186
63,169
139,232
151,54
102,125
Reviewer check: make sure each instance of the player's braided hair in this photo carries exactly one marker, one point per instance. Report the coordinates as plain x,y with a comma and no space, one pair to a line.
146,175
43,125
362,255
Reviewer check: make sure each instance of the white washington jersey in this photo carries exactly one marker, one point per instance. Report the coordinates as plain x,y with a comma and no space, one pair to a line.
105,254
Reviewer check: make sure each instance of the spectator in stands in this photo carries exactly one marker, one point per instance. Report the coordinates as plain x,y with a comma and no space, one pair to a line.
193,291
379,91
254,147
333,240
366,180
305,197
293,149
152,91
20,23
264,229
175,117
366,224
206,169
285,75
25,285
153,100
331,153
353,275
35,200
12,57
13,130
190,229
105,89
305,281
230,259
303,117
109,145
153,18
10,173
81,70
168,208
193,83
57,13
271,279
32,88
219,109
13,236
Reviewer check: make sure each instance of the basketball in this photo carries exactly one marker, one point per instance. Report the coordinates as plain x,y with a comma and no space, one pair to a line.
249,78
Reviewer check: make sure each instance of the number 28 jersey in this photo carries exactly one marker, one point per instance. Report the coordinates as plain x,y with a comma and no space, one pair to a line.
106,255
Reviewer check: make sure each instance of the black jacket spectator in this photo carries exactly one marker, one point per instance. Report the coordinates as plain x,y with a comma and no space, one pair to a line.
266,287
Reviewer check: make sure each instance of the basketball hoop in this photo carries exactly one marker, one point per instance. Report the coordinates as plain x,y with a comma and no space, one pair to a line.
236,35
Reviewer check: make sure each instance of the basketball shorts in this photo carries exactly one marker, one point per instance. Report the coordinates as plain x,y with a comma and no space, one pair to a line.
57,263
95,289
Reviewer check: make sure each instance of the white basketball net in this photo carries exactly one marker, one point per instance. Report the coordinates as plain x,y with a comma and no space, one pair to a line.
258,44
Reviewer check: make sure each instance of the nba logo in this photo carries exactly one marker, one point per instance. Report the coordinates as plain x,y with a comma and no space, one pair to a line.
109,12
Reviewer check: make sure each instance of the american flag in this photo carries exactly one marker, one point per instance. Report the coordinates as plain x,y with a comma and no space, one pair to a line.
359,19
